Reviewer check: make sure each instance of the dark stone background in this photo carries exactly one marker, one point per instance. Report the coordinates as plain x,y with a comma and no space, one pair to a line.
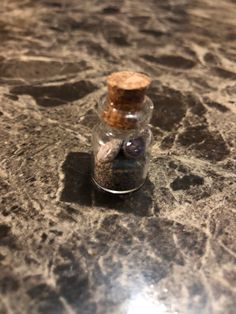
168,248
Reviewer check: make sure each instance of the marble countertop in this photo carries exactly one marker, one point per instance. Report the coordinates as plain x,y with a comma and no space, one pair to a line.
167,248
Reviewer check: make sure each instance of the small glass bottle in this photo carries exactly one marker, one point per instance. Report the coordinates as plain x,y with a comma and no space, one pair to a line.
122,140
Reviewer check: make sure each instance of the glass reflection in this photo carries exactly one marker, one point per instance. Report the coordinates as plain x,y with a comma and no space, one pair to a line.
142,303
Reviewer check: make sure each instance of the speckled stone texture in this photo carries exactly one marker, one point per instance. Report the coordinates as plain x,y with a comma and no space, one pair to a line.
171,246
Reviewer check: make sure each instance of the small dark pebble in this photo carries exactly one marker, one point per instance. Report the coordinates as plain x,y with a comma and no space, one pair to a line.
134,148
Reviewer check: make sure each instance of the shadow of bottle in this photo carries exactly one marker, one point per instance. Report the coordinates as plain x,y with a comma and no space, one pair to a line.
78,188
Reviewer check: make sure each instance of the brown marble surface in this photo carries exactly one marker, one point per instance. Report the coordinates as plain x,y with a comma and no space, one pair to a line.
168,248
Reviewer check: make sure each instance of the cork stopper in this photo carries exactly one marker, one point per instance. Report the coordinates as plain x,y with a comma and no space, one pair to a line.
126,92
127,89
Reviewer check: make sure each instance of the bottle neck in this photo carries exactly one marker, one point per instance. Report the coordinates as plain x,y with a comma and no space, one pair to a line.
122,120
121,116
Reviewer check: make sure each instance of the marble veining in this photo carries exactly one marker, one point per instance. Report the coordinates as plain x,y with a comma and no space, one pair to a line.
67,248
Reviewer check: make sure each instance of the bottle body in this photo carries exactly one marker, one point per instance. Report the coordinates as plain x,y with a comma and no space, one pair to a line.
121,156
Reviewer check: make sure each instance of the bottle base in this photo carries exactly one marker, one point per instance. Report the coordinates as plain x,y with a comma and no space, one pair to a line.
117,191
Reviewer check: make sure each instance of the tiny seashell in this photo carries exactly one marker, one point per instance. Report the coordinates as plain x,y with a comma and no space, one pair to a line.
109,150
